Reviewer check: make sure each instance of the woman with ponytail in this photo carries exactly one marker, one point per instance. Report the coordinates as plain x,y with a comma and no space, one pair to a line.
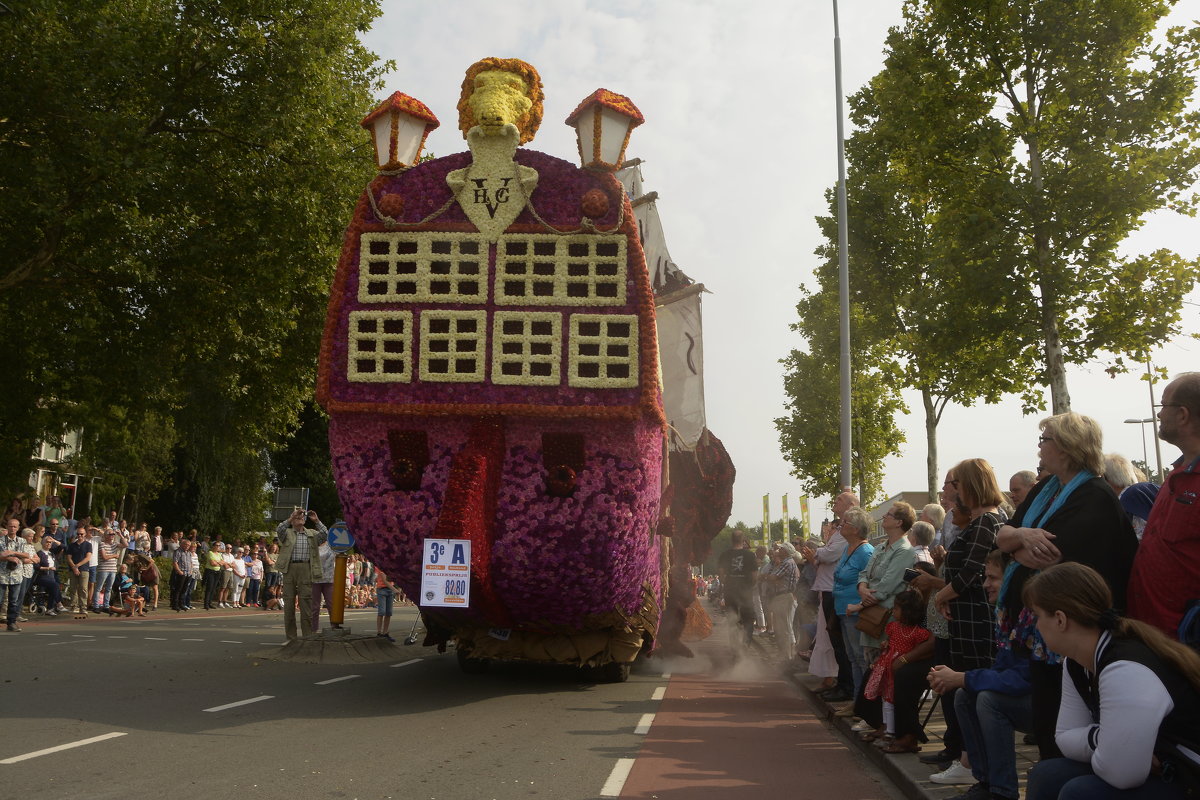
1129,721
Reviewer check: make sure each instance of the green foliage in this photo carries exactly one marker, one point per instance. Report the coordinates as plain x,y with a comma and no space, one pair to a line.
303,460
1087,130
809,435
174,181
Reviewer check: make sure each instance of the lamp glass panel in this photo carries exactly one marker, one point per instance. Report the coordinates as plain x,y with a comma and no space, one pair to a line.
583,130
382,128
408,139
613,127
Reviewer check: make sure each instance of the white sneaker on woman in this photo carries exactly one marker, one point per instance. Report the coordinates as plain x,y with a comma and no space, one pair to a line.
955,774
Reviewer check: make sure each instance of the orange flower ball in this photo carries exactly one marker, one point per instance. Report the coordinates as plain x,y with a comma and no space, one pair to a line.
392,205
594,203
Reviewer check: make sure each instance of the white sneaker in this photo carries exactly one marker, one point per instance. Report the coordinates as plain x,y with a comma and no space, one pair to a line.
862,725
955,774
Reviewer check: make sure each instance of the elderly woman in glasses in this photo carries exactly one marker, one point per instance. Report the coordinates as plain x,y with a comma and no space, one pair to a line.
1070,515
883,577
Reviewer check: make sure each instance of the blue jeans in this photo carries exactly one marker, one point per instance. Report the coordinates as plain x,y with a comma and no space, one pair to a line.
23,592
384,598
987,721
104,585
9,600
852,640
1066,779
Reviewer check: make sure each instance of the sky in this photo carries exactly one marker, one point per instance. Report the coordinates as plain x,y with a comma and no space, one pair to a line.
740,143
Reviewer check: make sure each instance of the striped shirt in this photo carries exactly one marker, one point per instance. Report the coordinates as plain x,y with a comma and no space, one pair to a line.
110,564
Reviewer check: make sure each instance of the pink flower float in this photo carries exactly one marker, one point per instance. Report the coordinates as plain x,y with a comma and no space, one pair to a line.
489,365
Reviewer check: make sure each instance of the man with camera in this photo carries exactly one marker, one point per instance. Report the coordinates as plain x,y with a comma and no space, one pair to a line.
13,557
299,561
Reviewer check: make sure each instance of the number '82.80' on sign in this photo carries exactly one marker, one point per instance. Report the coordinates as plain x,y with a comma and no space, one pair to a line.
446,573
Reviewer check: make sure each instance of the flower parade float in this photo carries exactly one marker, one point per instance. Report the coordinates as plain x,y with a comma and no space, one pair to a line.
490,369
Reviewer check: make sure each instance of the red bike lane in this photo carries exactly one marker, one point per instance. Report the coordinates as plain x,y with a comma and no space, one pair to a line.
734,731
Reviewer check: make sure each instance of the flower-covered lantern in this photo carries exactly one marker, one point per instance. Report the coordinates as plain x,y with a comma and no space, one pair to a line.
603,122
398,127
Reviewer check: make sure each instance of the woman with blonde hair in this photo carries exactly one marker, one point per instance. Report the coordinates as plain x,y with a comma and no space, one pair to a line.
1070,515
1130,697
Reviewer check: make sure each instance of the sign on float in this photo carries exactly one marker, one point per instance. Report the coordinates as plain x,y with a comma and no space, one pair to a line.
446,573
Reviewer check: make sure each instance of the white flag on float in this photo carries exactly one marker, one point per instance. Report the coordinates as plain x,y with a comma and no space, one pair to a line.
681,354
631,179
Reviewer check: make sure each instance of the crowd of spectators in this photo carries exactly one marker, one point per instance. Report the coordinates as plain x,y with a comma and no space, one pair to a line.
941,602
62,565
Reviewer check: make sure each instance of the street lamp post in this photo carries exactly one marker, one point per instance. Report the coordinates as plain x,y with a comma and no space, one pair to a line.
1154,420
843,260
1142,422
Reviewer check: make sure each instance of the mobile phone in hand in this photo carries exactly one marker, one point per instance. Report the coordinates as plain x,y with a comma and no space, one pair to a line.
911,574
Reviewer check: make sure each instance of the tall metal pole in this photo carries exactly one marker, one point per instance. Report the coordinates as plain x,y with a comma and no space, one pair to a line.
843,260
1154,420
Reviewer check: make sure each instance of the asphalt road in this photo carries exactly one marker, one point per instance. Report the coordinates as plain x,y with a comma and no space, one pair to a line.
173,705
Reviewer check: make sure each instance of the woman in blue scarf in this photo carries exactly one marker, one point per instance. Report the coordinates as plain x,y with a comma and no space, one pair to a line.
1071,515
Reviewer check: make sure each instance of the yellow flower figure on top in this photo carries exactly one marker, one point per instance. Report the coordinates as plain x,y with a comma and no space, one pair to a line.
500,108
500,91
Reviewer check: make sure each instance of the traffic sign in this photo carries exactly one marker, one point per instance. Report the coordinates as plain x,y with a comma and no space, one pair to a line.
340,539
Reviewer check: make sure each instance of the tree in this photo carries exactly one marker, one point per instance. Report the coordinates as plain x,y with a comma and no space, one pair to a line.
916,234
303,460
175,176
808,435
1096,132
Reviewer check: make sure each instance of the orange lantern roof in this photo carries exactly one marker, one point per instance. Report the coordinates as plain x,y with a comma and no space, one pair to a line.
399,101
617,102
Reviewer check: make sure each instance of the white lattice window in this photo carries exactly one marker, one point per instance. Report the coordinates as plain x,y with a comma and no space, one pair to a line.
380,346
603,350
422,268
453,346
526,348
545,269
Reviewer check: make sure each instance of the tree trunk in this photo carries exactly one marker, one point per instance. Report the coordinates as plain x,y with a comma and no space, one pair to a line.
931,454
1056,373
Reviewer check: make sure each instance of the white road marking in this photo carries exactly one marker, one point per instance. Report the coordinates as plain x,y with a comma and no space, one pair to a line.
406,663
45,634
61,747
277,644
118,637
666,676
71,641
643,726
241,703
84,635
191,640
616,778
335,680
229,641
154,638
659,693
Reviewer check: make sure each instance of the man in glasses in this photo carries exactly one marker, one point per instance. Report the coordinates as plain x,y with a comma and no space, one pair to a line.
1166,569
